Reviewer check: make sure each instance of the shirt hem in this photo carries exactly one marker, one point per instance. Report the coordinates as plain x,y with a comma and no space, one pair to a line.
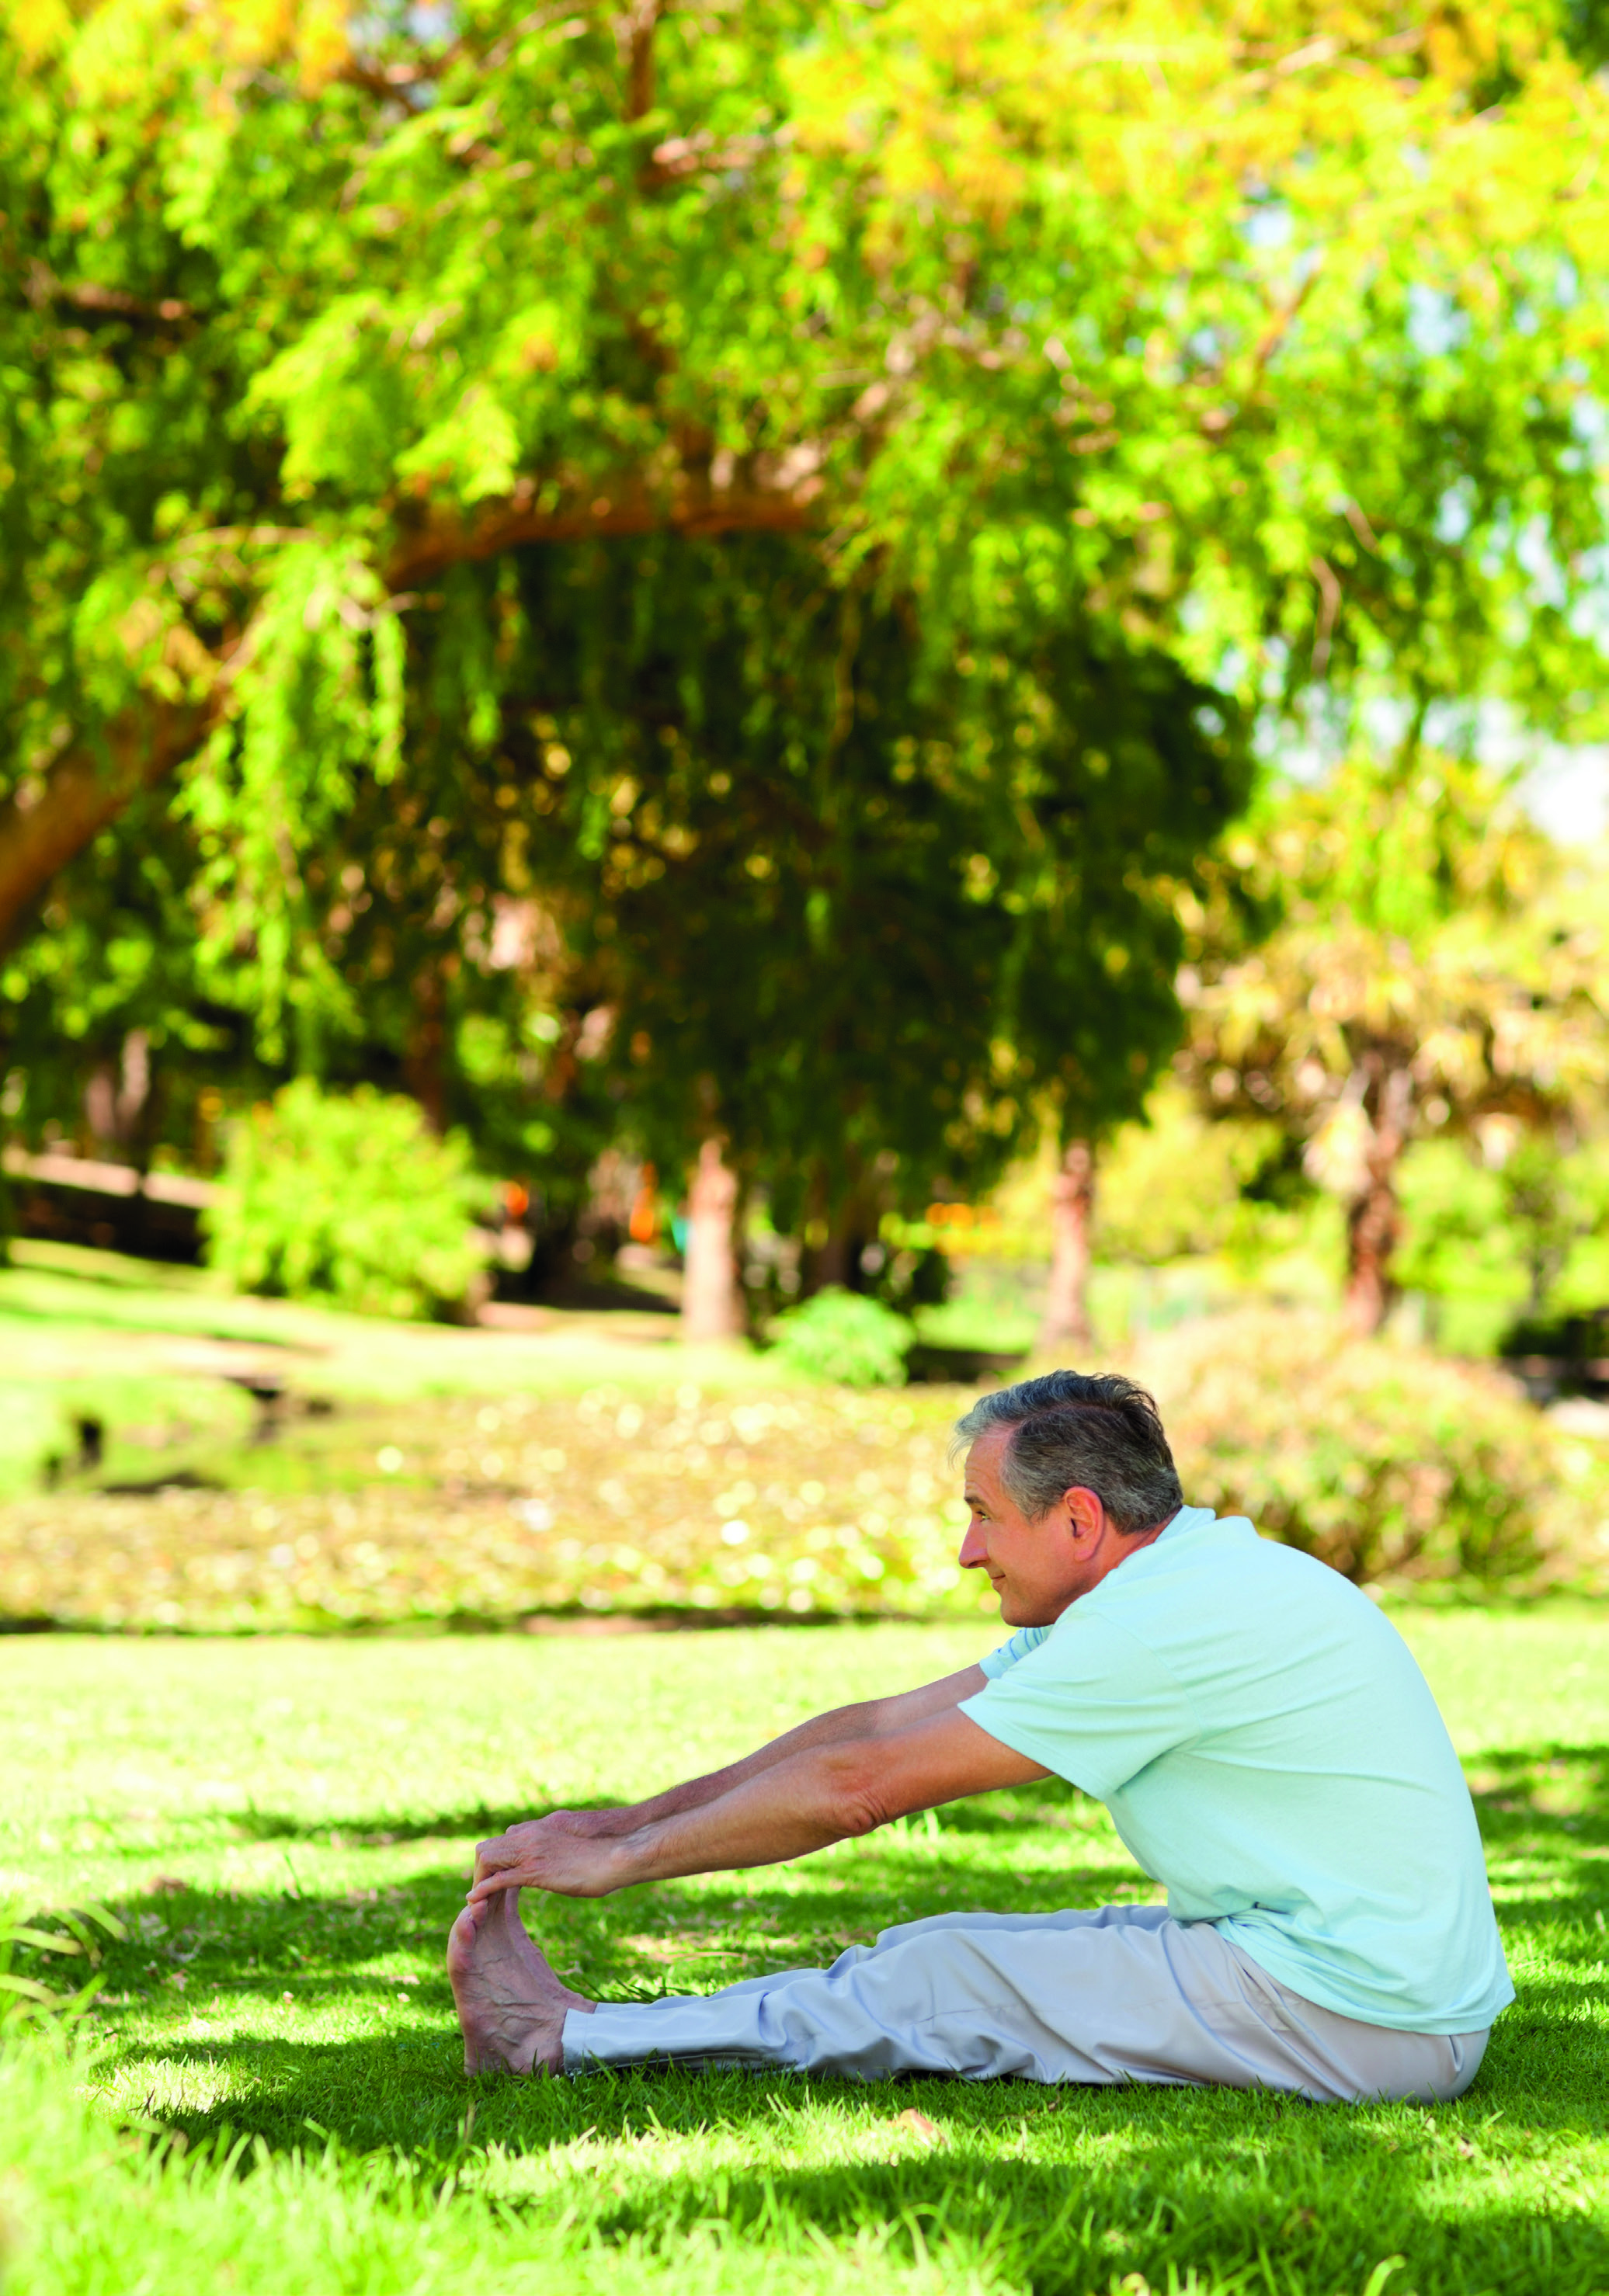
1299,1980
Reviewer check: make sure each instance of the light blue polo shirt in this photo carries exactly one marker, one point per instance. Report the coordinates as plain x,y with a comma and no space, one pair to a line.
1269,1750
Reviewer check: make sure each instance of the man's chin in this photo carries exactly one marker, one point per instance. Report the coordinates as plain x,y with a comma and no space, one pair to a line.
1017,1611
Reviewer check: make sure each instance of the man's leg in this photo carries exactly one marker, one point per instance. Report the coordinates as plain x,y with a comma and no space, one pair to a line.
1118,1994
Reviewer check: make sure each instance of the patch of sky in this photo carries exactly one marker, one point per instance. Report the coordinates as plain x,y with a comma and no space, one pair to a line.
1564,786
1204,347
433,21
1568,793
1454,516
1277,668
1435,324
1270,225
1455,728
1588,419
1535,553
1590,609
1023,312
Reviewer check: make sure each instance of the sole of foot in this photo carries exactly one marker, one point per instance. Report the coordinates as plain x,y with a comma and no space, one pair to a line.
511,2007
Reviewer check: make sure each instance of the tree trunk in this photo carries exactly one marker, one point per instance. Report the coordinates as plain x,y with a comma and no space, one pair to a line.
712,1308
425,1060
1374,1219
1066,1323
836,1263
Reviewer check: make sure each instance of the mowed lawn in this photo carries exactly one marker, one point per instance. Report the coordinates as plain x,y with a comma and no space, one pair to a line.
269,2095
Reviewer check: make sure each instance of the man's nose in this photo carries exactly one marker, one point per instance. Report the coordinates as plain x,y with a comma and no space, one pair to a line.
974,1552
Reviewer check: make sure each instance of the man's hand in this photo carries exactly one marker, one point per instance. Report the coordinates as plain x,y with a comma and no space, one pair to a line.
555,1852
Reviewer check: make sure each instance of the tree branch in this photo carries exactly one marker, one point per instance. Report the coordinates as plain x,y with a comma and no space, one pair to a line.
625,507
41,830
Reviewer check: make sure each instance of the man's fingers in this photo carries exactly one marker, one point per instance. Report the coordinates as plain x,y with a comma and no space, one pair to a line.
488,1885
497,1856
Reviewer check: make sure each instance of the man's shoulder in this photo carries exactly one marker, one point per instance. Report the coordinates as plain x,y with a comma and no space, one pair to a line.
1210,1575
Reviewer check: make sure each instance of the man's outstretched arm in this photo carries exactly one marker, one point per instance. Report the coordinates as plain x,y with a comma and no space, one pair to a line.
873,1718
801,1802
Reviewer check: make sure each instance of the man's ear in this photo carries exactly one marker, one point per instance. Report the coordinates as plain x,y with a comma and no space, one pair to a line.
1088,1515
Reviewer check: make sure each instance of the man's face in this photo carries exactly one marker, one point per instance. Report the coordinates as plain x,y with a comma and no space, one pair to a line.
1036,1568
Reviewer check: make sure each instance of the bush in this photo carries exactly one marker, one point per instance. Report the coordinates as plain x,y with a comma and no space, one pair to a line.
348,1197
841,1336
1382,1461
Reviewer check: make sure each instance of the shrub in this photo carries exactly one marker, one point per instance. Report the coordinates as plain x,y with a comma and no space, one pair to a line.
1382,1461
841,1336
348,1197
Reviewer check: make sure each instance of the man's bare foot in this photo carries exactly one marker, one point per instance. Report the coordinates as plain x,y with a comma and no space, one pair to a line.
511,2007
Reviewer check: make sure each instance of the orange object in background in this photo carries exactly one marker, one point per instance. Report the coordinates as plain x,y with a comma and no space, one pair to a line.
643,1224
516,1199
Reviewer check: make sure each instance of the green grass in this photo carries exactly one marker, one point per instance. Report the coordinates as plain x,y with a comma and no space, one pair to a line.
269,2097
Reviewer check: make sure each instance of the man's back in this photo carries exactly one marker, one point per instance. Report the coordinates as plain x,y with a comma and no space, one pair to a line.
1270,1750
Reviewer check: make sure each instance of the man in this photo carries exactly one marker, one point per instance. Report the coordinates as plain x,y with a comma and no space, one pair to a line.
1262,1737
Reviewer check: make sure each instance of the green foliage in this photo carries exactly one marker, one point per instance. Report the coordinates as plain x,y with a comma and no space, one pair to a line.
1385,1462
1179,1184
844,1337
347,1198
1455,1237
682,526
1527,1227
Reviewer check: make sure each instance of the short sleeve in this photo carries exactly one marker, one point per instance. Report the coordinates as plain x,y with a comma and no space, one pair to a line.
1001,1661
1089,1702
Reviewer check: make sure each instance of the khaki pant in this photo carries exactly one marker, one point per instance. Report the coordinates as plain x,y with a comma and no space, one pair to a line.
1124,1994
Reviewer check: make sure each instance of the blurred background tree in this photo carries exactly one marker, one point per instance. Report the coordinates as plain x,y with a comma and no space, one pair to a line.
1434,968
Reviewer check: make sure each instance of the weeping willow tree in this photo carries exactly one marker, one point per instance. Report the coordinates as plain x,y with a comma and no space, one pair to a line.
888,454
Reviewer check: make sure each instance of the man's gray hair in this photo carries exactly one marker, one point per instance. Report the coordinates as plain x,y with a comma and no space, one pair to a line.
1094,1429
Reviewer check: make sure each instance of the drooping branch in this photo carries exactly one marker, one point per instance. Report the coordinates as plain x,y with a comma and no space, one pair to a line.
44,828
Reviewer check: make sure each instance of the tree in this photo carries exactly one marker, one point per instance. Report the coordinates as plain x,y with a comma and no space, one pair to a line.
848,910
1432,967
1150,351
